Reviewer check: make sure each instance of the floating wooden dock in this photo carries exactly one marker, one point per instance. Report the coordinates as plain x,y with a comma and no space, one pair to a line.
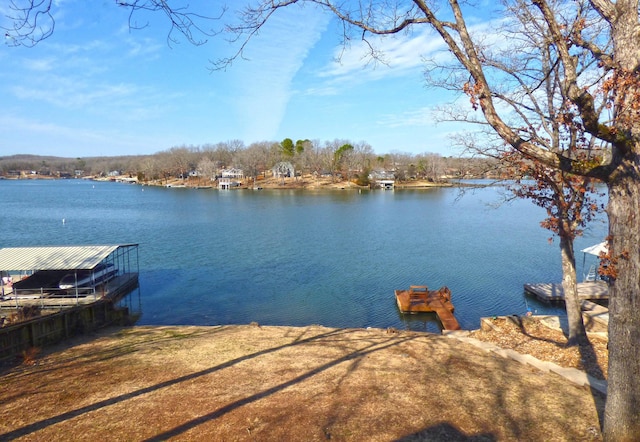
552,292
419,299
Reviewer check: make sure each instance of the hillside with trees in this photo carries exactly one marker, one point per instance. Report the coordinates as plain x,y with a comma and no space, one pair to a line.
340,159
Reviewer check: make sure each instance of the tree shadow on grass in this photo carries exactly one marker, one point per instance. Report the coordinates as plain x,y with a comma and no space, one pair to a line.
586,349
446,432
448,363
587,353
358,353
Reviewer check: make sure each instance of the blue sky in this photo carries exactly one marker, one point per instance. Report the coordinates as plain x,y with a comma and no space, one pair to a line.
98,88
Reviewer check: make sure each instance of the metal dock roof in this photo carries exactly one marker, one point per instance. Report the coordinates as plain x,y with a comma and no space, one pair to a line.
55,257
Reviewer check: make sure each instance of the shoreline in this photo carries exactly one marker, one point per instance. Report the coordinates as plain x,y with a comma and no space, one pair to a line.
306,182
302,183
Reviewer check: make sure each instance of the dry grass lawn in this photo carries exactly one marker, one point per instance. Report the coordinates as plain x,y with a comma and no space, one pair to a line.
251,383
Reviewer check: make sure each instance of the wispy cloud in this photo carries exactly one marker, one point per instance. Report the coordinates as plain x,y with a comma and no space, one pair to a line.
40,64
411,118
86,77
109,99
265,81
323,91
49,129
69,93
147,48
59,136
398,54
138,46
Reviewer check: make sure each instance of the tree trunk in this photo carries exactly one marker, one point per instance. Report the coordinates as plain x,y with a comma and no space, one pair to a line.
622,413
577,333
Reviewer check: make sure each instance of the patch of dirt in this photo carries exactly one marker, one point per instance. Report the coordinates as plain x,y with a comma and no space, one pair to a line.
530,335
246,383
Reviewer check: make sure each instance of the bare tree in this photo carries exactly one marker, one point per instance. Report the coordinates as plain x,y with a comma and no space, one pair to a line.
570,29
310,158
182,160
149,168
364,155
251,160
531,96
429,166
206,169
224,152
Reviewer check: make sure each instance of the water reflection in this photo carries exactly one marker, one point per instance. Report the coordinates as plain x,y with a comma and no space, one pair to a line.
132,301
420,322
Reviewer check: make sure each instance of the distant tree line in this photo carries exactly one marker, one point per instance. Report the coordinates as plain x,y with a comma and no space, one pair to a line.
341,159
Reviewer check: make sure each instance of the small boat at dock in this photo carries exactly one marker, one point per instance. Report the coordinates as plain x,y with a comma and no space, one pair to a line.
88,278
419,299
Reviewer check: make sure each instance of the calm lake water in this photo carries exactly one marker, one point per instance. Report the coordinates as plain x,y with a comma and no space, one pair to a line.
285,257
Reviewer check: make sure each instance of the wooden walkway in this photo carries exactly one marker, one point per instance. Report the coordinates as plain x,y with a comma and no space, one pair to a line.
419,299
551,292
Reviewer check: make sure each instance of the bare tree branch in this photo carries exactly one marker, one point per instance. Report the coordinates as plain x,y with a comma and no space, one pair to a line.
34,21
31,23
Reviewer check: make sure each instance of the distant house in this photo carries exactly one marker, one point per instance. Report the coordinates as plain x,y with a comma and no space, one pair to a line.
233,173
284,169
377,175
382,179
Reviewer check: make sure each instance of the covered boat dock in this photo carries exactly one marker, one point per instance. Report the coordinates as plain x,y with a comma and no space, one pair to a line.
32,276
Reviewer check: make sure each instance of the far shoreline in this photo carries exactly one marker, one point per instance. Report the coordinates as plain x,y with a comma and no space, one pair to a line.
306,182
